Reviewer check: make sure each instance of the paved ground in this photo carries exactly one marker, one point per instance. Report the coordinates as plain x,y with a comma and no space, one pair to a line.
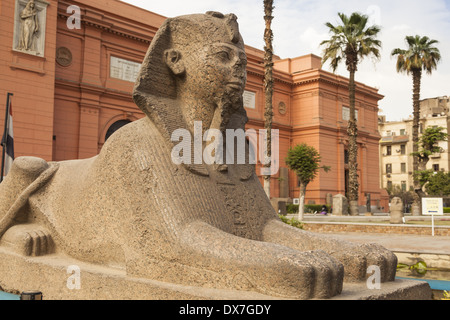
401,242
394,242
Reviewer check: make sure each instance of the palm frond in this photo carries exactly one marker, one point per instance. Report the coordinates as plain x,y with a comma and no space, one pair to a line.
420,55
352,37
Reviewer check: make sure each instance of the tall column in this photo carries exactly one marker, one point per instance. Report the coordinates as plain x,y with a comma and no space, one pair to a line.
363,173
91,90
91,56
341,165
88,136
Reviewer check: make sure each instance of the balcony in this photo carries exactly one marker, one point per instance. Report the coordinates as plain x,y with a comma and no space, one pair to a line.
435,156
387,140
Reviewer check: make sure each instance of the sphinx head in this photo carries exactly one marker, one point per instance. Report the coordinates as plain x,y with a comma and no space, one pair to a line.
198,62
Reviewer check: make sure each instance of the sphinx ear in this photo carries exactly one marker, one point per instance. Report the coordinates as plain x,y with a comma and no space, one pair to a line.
174,61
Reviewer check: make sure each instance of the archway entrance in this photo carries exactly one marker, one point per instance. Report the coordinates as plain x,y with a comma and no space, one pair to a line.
115,126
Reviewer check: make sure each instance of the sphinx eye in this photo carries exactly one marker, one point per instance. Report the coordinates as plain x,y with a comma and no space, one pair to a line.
223,55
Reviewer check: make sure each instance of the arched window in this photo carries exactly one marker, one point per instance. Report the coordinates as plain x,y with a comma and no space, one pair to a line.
115,126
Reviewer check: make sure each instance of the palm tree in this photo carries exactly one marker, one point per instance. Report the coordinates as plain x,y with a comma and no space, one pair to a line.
421,55
268,86
352,40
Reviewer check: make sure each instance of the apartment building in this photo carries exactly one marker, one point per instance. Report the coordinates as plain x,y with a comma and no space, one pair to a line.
396,144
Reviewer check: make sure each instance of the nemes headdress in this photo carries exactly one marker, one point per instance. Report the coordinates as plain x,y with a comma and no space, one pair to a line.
155,89
155,77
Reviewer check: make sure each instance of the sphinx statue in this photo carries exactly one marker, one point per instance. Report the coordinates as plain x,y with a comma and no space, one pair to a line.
208,225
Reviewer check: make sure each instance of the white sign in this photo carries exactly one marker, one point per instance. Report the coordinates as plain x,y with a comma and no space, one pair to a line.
249,99
432,206
124,69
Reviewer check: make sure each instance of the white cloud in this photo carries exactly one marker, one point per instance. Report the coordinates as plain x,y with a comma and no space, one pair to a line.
401,27
299,27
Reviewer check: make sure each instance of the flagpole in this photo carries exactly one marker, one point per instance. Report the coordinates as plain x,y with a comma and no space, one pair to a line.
5,132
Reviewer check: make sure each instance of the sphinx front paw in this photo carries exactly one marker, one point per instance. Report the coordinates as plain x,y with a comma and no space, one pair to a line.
28,240
305,275
361,258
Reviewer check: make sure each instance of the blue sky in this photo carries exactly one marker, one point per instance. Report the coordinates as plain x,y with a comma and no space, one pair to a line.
299,27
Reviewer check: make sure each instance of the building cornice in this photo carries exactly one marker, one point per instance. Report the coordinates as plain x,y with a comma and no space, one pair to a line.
108,23
99,90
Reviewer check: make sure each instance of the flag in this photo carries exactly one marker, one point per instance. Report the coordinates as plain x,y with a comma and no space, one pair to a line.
8,141
9,157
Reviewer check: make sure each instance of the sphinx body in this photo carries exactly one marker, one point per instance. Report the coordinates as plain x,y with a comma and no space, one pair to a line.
132,207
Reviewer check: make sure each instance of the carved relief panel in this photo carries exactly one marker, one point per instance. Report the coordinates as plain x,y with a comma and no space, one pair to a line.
29,26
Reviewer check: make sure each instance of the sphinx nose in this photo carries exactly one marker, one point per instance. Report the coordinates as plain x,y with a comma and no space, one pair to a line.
240,71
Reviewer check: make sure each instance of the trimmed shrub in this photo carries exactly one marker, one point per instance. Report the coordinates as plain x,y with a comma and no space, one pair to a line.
292,208
309,208
292,222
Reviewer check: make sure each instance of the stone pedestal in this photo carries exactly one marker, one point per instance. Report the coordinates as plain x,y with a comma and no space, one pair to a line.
415,210
340,205
396,211
279,204
53,276
353,207
284,182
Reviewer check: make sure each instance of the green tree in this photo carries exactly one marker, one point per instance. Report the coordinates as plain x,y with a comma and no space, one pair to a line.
428,145
439,184
305,161
421,55
268,86
351,41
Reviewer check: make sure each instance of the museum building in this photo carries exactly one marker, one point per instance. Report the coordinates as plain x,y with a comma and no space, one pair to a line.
72,79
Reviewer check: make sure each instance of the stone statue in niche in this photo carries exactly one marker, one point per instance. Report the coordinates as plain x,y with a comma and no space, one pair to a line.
29,27
206,225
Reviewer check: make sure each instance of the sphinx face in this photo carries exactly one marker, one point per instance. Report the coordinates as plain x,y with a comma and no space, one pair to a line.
229,72
215,69
215,78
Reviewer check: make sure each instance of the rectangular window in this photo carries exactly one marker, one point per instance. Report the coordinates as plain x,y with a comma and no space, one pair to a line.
388,168
403,185
388,150
403,149
249,99
403,167
402,132
389,185
345,156
346,114
435,167
123,69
